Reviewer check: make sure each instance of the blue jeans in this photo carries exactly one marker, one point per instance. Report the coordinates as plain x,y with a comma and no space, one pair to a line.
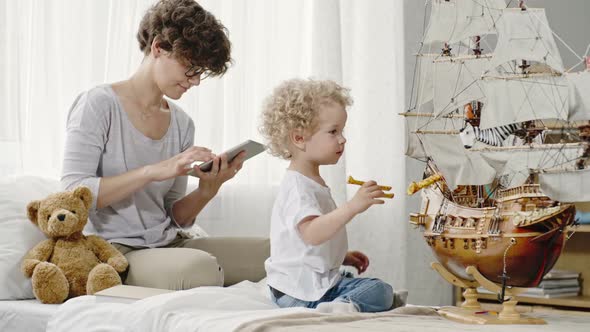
368,295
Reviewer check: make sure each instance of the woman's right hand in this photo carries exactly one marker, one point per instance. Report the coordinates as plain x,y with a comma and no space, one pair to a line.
366,196
179,164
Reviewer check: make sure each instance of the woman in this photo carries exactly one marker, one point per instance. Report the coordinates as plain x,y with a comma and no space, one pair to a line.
131,147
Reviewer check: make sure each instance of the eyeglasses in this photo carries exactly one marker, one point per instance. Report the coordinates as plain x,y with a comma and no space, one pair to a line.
195,70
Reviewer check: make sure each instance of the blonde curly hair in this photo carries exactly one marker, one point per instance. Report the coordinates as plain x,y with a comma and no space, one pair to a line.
294,104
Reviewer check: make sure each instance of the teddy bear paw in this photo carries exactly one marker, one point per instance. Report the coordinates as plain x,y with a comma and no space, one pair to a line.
120,264
28,266
101,277
49,283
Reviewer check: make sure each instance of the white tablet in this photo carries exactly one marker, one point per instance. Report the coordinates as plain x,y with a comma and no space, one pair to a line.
251,147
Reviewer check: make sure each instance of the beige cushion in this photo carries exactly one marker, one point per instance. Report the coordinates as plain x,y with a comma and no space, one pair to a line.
173,268
242,258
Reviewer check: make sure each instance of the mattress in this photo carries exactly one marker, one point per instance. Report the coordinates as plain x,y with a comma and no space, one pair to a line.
246,307
25,315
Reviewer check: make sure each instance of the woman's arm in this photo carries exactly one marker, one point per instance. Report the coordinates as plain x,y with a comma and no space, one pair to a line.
113,189
116,188
86,135
87,132
185,210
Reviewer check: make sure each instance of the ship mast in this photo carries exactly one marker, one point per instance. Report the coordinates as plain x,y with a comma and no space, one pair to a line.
472,109
524,65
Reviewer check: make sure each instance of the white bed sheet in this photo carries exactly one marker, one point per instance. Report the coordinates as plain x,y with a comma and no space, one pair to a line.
208,309
25,315
247,307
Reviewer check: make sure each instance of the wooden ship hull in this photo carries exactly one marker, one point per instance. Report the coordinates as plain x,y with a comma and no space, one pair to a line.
517,241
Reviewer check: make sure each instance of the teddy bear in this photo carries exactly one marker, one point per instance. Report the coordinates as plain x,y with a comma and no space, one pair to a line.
68,263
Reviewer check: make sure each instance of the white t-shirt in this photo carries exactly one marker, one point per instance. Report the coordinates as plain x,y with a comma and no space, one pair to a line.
295,268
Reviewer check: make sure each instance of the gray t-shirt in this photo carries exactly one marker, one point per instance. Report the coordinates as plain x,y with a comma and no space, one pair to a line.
102,141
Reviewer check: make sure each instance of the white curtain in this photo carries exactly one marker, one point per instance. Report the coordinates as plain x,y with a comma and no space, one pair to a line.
52,50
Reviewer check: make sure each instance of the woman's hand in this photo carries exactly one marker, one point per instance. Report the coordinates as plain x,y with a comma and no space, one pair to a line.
178,165
357,259
221,171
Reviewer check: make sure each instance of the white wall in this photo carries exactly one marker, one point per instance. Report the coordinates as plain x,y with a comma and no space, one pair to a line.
569,20
426,288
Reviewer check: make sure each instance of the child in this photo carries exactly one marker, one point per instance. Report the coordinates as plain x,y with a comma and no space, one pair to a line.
303,122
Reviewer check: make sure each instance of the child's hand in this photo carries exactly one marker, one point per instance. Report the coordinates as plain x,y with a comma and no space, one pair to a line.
366,196
357,259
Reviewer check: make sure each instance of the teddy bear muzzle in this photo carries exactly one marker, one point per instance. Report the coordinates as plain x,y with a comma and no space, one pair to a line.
63,222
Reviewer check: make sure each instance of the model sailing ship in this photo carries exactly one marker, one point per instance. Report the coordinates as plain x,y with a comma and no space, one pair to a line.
503,128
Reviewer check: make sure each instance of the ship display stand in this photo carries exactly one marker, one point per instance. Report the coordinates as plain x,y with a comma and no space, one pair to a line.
573,258
471,311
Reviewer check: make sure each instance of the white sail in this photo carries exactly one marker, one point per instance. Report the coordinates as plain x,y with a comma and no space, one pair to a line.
425,70
449,82
458,165
414,147
570,186
457,83
514,165
579,95
443,18
456,20
481,18
525,35
524,99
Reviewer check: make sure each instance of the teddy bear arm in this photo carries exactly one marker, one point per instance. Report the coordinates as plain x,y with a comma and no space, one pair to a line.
107,253
40,253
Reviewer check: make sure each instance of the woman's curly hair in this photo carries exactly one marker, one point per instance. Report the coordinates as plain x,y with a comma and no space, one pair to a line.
294,104
190,32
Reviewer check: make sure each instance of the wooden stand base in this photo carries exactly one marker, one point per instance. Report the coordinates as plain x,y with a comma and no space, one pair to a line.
470,311
482,317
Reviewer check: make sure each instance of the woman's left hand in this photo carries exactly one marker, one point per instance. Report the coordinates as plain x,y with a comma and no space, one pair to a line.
357,259
221,171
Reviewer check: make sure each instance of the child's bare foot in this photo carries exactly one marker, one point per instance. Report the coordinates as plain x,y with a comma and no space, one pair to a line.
400,298
336,307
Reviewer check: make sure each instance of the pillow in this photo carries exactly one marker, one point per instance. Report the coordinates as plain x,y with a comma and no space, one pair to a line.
17,234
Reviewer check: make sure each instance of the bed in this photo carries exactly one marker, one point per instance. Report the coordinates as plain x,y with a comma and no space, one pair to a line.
25,315
246,307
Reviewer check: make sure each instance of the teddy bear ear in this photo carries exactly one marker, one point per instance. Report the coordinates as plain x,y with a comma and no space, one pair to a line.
85,195
32,209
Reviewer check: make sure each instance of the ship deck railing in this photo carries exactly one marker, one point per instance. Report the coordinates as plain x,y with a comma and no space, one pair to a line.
525,190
